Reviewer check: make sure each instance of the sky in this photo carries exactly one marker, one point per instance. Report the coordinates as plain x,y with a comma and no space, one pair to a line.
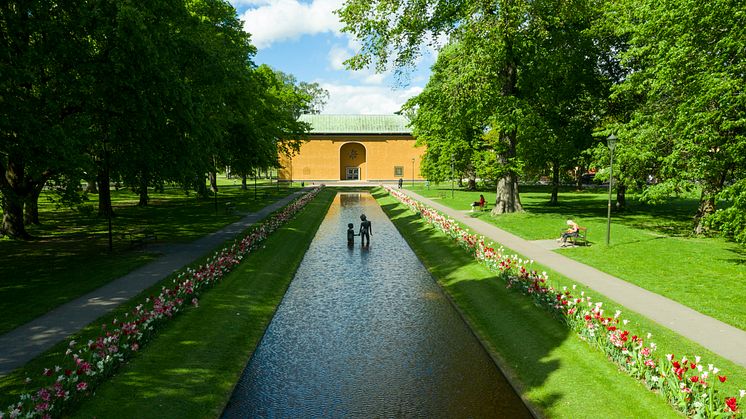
304,38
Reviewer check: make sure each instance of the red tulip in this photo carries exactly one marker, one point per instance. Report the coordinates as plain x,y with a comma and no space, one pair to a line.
731,403
722,378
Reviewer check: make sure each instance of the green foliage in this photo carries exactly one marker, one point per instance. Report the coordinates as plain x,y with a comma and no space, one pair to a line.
685,70
731,220
74,258
141,93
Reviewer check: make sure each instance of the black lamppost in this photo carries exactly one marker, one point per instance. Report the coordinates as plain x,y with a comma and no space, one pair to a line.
453,162
108,187
413,172
255,173
611,142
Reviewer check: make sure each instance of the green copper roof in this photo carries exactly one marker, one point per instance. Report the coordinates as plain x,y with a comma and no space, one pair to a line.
357,124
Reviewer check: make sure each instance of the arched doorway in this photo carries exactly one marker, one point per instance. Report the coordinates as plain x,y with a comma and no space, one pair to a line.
352,158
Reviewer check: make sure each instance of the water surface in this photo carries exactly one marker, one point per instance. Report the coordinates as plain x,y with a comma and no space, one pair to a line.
367,333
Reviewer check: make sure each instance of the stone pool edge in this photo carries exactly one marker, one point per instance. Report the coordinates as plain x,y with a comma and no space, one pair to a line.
499,362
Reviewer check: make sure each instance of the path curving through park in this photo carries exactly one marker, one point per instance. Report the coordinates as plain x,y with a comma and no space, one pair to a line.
368,333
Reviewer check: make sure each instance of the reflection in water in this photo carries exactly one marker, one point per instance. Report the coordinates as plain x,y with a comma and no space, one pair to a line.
366,332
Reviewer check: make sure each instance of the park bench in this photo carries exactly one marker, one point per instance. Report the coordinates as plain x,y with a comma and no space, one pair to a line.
230,208
581,239
140,237
482,207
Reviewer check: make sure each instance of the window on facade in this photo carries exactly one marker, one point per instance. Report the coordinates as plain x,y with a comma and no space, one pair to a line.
398,170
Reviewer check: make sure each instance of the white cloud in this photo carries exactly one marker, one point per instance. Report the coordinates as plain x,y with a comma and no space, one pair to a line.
366,100
271,21
339,53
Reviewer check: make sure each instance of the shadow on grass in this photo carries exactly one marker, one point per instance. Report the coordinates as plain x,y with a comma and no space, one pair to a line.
498,316
740,255
673,218
69,255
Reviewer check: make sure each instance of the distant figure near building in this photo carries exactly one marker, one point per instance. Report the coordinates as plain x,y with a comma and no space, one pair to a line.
350,235
365,231
401,182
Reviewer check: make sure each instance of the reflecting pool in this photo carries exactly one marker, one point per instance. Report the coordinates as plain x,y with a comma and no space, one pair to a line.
366,332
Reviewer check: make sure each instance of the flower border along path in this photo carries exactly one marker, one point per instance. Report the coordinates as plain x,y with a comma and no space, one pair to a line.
88,365
688,385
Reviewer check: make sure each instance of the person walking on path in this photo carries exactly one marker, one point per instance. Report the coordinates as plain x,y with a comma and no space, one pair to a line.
365,231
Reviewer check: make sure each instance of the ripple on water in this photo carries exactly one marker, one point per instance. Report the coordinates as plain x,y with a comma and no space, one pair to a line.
368,333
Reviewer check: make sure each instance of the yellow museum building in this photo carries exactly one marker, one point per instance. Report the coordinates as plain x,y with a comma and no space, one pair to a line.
371,148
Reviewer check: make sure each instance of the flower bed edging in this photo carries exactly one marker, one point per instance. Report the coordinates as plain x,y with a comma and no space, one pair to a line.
688,385
88,365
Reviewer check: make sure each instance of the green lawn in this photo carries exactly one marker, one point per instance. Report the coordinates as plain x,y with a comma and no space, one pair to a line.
555,368
189,371
213,340
650,245
70,256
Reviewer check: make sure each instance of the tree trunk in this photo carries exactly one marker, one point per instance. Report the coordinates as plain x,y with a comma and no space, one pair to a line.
13,189
243,182
13,218
472,185
710,189
142,190
554,198
200,187
104,193
91,186
213,181
31,209
621,196
507,199
706,207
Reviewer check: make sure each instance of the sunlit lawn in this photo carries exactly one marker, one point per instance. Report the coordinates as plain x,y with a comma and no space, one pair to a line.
189,371
70,256
554,365
650,244
556,371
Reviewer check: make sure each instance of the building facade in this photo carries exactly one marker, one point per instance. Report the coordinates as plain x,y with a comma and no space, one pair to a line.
373,148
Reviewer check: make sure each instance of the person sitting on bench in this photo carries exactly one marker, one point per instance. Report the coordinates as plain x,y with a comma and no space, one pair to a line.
572,231
479,203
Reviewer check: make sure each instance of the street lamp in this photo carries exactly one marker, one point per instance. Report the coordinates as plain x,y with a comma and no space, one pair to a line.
611,141
453,162
413,172
108,188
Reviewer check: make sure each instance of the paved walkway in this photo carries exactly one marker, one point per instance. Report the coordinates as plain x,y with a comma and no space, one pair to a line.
26,342
721,338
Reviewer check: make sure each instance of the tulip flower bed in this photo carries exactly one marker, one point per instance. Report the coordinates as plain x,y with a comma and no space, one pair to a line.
688,384
91,363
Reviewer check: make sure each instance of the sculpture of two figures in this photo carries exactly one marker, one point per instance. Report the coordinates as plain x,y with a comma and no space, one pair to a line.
364,232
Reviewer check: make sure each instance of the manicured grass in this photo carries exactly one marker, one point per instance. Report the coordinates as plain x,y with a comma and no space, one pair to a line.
70,256
189,371
559,373
650,245
257,271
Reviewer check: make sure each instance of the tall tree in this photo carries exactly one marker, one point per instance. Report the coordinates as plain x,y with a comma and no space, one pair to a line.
41,128
506,64
685,61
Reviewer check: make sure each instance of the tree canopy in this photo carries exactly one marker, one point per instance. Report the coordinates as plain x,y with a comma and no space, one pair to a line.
543,82
139,92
